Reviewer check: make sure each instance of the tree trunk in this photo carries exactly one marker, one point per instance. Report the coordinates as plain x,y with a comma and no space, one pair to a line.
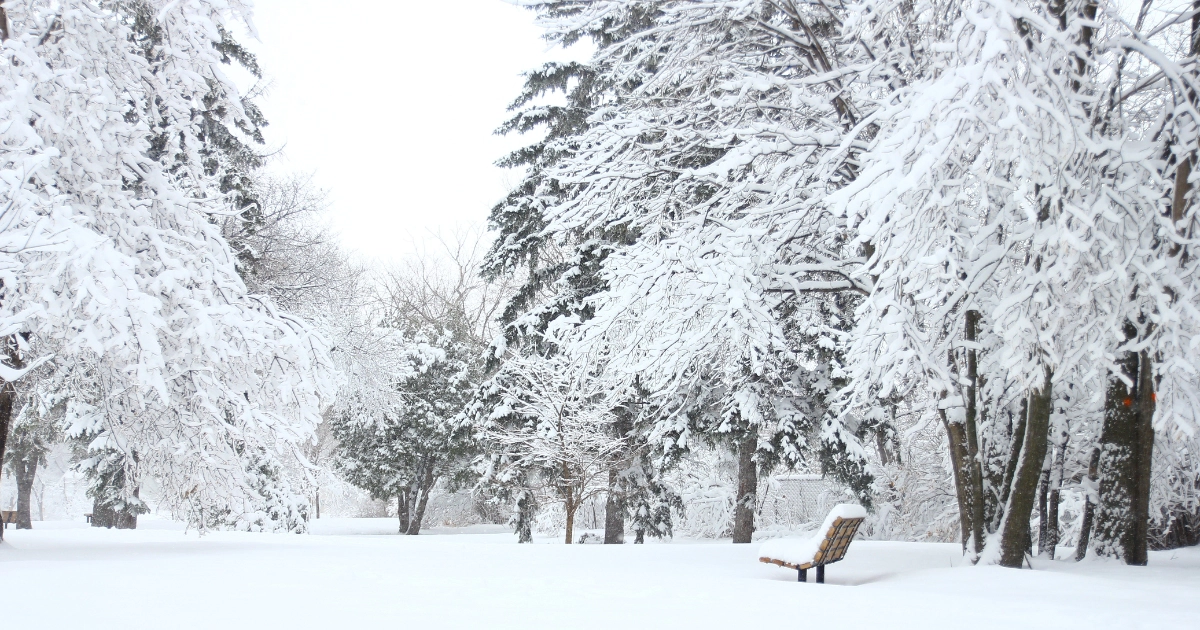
418,512
402,510
1126,451
25,471
126,518
747,493
571,508
1089,507
1014,458
7,394
975,465
1043,499
102,514
1051,531
614,512
1014,531
1147,399
526,512
958,465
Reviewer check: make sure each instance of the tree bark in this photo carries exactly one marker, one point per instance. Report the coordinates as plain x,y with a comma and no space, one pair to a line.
1089,506
1014,458
8,391
25,471
7,394
1126,452
1147,399
402,510
1051,532
975,465
102,514
572,506
417,514
526,511
958,465
1043,500
1014,534
614,512
747,493
126,518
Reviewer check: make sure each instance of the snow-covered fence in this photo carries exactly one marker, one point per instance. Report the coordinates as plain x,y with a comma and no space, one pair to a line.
795,501
785,503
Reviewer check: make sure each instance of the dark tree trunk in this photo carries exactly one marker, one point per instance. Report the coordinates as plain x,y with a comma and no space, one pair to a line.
526,512
7,395
994,458
3,37
111,517
402,510
1146,403
102,514
572,506
1089,506
25,471
885,455
1014,458
747,492
954,434
1050,532
614,512
1126,451
1043,499
126,518
417,514
1014,534
975,465
958,465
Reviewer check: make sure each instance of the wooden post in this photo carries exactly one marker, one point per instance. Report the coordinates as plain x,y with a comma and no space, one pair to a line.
803,576
820,574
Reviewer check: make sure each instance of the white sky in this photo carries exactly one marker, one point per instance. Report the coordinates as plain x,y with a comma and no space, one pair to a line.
392,104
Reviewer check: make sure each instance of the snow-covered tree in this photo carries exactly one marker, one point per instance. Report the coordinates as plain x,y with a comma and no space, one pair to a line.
545,426
867,187
112,255
693,292
418,437
34,432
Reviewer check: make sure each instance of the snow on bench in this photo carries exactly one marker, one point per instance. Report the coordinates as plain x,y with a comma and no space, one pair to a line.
827,545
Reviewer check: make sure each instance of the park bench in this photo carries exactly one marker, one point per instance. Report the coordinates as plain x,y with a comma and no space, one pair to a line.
7,516
827,545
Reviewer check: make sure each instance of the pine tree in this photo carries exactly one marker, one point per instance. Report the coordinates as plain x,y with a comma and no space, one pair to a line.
402,450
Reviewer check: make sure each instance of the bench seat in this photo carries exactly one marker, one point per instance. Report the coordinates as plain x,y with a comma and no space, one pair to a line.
827,545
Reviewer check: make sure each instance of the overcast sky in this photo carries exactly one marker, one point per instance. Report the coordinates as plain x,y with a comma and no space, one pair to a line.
392,105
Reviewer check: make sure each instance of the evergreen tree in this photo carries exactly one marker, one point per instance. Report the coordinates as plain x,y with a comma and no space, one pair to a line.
402,451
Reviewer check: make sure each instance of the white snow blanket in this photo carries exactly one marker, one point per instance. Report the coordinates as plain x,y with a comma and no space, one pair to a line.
804,550
362,576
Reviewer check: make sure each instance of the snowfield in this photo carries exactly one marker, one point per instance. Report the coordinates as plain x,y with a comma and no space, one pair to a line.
353,573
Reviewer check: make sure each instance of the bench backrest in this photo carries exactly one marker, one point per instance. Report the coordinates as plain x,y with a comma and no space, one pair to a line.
8,516
837,540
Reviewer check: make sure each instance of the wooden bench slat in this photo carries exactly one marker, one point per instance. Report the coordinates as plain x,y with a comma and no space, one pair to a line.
832,548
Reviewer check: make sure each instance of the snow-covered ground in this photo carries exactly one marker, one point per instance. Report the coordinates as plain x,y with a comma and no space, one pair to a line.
354,574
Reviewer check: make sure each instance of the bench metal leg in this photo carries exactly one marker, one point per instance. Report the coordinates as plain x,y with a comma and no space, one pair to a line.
803,577
821,574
